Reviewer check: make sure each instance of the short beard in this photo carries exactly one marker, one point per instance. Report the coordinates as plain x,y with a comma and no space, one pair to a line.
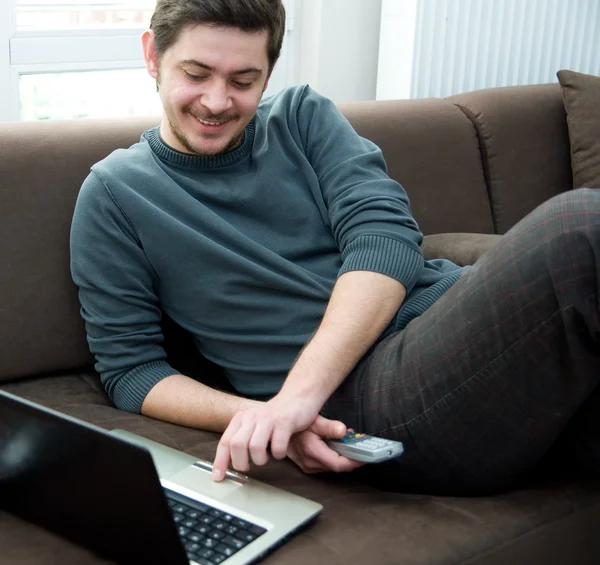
233,143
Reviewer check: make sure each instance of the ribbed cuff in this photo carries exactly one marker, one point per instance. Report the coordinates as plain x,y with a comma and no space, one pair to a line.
221,160
132,388
384,255
419,304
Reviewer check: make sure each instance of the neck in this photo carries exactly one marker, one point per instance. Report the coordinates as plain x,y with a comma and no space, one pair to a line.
167,152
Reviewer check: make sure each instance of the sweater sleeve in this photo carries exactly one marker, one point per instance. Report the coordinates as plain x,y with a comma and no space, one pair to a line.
118,299
369,212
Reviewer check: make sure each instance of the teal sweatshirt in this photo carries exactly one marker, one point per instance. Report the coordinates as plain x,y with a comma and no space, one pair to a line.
241,249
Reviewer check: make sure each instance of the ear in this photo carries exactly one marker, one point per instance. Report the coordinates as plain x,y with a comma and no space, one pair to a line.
150,57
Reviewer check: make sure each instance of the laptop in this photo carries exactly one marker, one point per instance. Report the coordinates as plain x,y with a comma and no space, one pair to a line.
133,500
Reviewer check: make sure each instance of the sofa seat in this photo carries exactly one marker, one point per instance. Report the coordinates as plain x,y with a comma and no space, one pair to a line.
472,165
359,524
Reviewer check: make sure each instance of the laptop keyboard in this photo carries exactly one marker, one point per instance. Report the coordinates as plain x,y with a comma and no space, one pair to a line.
210,535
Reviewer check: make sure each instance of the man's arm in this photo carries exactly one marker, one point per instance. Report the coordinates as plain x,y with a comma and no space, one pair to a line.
187,402
117,289
361,306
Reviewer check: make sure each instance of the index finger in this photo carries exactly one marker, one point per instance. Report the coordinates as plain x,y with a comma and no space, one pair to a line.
223,454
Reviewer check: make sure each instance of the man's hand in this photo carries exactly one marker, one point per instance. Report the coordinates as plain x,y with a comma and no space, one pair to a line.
308,450
361,306
273,424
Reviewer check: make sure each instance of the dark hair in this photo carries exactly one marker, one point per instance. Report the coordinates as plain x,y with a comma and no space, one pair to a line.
171,16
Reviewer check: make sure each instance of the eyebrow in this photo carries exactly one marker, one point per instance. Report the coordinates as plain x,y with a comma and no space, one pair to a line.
245,71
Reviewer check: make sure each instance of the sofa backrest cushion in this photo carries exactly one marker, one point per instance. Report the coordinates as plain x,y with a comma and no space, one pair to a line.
433,152
430,147
581,96
524,146
42,166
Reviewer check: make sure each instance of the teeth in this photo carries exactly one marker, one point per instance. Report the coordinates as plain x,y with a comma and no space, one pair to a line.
210,123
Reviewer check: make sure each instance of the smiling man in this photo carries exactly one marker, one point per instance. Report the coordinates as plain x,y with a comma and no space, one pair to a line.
231,75
271,232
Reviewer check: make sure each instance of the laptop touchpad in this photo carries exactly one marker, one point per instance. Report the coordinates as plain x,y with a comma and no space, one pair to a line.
200,480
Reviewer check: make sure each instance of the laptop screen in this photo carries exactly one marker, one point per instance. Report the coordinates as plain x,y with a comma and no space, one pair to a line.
80,482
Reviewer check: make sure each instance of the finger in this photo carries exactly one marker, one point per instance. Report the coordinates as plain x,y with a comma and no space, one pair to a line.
222,456
259,442
238,446
312,466
280,441
328,428
333,461
307,465
345,465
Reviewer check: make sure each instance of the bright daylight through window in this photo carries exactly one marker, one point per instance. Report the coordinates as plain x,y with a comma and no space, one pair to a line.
63,59
72,59
72,14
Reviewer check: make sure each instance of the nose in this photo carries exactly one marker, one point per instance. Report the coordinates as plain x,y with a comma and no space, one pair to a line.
216,98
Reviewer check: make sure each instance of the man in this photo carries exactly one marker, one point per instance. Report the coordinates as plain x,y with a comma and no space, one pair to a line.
272,233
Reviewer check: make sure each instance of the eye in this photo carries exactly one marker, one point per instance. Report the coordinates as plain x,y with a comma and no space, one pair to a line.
242,84
193,77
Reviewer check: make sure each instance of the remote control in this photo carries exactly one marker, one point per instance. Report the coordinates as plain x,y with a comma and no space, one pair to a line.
362,447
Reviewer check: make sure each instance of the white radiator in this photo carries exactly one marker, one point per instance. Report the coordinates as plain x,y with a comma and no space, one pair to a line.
462,45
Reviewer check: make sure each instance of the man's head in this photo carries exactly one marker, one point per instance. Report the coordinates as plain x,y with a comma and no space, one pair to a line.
212,60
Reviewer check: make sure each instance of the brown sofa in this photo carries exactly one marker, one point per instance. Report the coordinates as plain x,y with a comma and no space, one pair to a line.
473,165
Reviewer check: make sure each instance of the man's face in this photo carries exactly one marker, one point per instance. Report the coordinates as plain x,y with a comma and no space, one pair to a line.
210,83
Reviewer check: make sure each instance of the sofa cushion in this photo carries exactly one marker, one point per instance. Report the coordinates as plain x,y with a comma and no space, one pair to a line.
581,95
524,146
461,248
359,523
433,152
42,166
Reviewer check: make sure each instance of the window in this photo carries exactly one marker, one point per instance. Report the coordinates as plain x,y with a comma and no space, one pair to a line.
70,59
87,94
71,14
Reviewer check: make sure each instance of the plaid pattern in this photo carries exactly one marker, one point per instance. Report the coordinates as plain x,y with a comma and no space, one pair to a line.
481,386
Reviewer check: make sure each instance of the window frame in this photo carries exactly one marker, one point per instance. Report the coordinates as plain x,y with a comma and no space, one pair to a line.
89,49
8,95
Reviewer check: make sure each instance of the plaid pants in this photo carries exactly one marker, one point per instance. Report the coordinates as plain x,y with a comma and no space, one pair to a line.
486,382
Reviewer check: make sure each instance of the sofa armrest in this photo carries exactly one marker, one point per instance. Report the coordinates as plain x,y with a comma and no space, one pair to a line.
461,248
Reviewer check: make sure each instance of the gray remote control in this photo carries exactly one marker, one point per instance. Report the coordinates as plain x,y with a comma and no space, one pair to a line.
362,447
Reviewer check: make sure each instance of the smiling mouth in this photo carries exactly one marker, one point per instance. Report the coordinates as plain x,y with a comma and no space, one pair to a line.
214,122
211,123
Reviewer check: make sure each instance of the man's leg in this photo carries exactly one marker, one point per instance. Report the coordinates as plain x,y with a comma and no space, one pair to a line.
482,384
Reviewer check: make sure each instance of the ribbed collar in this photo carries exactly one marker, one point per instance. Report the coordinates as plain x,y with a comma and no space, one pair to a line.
180,159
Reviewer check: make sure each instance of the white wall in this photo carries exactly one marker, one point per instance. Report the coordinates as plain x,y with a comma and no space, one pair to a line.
309,42
396,49
339,47
444,47
464,45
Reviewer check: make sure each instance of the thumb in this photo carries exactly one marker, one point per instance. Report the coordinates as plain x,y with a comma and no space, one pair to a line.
328,428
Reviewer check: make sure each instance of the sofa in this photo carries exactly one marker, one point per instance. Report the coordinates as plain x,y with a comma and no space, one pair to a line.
472,164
